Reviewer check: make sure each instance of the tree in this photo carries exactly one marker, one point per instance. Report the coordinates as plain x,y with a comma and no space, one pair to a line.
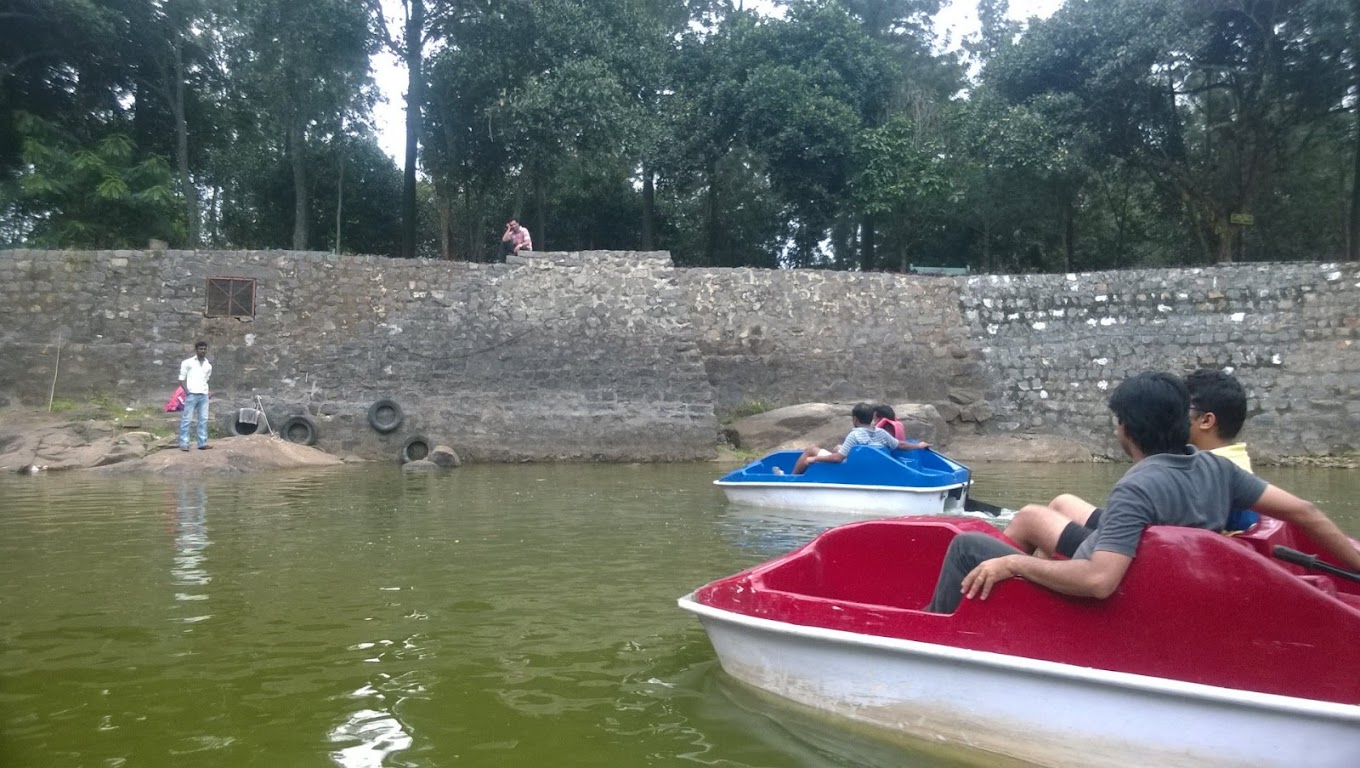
100,197
304,63
1213,99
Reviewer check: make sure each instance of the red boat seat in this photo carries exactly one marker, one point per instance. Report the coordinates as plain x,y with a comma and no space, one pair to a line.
1324,583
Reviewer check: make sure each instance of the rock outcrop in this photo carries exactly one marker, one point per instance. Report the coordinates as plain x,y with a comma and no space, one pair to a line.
91,440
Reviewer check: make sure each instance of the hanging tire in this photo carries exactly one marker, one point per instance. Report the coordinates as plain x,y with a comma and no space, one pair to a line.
238,427
385,415
299,429
415,448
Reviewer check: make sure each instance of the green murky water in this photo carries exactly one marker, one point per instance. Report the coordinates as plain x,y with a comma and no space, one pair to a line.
494,616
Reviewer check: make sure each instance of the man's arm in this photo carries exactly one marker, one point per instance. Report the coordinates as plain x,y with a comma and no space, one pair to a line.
1282,504
1098,577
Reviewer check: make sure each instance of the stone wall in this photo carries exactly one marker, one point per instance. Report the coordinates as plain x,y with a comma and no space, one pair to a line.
549,357
778,338
618,356
1056,344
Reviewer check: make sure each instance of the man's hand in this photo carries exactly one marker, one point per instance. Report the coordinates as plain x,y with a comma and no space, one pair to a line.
979,581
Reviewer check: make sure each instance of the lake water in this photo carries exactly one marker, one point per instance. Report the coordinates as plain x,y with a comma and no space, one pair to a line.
492,616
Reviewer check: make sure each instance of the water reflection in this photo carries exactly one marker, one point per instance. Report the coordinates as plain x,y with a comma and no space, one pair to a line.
188,567
376,735
770,531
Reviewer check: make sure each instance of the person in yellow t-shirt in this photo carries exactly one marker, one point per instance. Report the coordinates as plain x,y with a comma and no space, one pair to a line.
1218,408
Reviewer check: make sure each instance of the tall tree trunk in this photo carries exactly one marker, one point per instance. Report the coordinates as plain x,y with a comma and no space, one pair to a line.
444,202
540,234
987,244
711,216
480,253
297,156
448,193
186,183
1227,233
339,200
415,99
843,244
648,209
1069,234
867,236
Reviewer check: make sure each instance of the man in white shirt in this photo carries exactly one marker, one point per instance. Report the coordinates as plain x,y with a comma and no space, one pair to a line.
193,376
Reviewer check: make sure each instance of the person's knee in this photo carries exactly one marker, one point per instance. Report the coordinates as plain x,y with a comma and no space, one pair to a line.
1065,500
1025,520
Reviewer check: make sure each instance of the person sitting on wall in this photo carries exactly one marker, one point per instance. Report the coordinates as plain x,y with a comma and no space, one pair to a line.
515,239
862,433
1171,483
1218,407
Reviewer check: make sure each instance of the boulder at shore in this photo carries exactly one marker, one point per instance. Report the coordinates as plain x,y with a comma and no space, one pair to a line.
249,453
91,440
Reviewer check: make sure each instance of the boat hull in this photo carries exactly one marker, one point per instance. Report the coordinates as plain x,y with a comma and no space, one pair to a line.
863,500
870,481
1045,712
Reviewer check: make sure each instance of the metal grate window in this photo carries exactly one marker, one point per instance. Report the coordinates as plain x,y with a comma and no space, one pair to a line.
231,297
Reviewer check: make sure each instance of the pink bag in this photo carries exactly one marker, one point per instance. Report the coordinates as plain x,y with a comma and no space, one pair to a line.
176,402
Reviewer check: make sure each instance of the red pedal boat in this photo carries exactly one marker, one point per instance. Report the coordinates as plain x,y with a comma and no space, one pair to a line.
1210,653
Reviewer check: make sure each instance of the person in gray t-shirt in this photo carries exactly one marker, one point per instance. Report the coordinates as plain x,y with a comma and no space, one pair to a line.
1171,483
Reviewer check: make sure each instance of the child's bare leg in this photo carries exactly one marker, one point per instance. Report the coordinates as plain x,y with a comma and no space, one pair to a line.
1037,528
1074,508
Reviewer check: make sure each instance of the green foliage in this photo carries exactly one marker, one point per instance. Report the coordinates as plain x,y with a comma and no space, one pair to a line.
1112,134
102,197
746,408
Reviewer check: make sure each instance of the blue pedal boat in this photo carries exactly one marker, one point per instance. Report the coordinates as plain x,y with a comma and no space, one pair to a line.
871,481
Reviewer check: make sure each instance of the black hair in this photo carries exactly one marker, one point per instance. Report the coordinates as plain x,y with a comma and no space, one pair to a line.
885,412
862,413
200,343
1154,408
1222,395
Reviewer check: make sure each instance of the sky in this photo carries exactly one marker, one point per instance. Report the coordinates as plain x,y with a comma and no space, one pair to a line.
953,23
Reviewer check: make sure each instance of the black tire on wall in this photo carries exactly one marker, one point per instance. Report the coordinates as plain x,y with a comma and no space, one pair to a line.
239,428
385,415
299,429
415,448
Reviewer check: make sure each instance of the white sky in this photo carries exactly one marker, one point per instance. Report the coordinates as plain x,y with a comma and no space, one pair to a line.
954,22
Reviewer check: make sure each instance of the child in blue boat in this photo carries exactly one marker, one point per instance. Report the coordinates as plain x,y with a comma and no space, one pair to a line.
863,433
885,418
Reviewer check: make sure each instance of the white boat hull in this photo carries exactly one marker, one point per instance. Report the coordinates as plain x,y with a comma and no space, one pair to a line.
1044,712
883,500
